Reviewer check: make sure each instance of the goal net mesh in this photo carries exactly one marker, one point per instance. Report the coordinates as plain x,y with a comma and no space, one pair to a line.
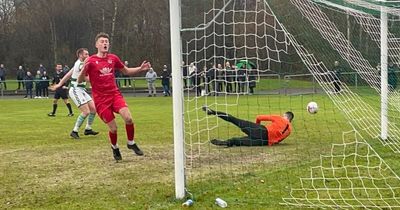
246,58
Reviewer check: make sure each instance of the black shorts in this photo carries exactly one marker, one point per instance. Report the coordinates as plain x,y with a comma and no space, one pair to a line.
61,93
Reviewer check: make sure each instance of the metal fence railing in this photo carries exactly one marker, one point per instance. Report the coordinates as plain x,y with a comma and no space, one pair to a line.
352,79
264,83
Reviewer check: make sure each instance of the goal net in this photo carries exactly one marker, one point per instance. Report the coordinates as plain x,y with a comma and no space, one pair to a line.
249,58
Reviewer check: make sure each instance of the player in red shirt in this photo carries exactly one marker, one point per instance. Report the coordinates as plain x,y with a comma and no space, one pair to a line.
257,134
108,99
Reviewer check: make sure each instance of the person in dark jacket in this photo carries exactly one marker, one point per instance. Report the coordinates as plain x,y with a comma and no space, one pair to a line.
45,83
165,80
3,72
337,71
41,68
184,74
127,80
241,78
221,79
229,77
252,74
20,77
197,81
118,75
28,84
211,75
61,92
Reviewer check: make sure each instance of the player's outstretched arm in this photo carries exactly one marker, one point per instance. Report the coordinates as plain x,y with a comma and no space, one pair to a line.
62,81
132,71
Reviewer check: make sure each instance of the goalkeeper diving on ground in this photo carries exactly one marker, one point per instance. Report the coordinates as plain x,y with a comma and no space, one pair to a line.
257,134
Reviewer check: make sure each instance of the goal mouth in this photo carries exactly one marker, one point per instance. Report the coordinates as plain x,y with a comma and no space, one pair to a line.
245,44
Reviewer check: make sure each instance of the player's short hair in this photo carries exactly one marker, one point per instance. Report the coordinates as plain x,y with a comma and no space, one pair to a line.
102,35
80,51
289,115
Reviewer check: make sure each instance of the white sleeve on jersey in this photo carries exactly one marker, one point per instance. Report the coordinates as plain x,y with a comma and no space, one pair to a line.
76,69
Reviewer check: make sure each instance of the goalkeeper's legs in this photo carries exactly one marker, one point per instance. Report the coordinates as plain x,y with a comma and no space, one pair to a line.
253,130
240,141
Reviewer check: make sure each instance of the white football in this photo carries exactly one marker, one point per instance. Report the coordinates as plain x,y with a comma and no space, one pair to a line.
312,107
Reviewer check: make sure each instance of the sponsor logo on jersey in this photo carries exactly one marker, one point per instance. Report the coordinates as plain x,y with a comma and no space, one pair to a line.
105,71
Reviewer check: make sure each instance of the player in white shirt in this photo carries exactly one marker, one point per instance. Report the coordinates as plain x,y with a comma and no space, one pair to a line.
78,94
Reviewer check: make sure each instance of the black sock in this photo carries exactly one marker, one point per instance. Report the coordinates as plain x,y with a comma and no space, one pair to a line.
54,108
69,108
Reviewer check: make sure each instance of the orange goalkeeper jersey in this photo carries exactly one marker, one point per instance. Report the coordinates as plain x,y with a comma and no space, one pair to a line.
278,129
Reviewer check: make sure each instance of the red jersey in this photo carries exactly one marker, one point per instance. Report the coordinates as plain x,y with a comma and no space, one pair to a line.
278,129
101,74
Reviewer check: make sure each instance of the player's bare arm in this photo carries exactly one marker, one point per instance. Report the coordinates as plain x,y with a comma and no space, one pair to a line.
62,81
134,70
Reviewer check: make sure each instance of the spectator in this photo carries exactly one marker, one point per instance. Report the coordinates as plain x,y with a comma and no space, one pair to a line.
192,71
28,84
127,80
184,74
38,88
252,80
220,78
229,77
118,75
41,68
241,78
45,83
336,76
211,75
378,68
165,79
235,78
206,80
151,77
20,77
3,72
392,78
197,81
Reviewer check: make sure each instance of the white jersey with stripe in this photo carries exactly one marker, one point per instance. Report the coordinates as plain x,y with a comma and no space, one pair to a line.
76,70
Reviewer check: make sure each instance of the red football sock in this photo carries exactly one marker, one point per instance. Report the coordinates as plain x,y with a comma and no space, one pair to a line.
130,131
113,137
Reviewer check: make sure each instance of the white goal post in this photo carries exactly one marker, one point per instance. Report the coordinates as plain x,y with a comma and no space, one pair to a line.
176,60
384,75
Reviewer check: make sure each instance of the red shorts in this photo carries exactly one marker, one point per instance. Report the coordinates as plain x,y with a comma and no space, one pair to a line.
106,105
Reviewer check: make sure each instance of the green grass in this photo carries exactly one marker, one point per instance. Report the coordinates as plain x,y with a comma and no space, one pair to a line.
42,168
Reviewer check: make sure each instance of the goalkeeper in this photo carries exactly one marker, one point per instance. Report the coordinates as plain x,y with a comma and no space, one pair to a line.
257,134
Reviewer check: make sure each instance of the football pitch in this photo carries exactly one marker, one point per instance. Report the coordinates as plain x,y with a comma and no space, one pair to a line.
43,168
